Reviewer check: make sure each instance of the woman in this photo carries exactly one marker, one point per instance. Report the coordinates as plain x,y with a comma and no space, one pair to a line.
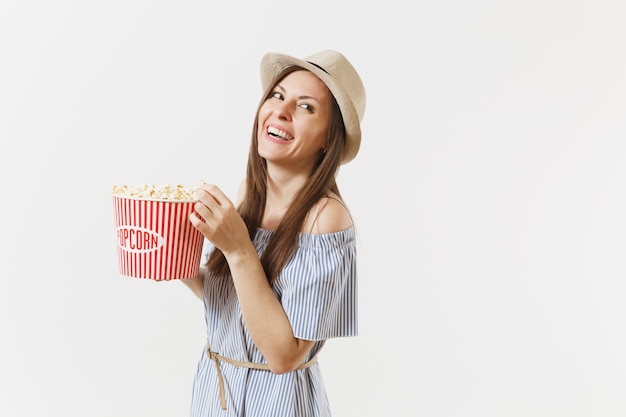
280,278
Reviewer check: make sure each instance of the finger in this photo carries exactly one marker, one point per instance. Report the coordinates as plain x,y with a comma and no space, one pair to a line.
205,198
202,210
195,220
218,196
200,225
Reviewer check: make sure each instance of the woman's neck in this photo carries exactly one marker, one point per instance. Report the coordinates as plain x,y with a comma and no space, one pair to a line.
282,187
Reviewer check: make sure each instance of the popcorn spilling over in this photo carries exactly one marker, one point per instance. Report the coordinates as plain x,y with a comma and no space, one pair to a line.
158,192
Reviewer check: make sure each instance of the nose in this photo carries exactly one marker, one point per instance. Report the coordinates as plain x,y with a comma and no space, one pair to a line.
283,110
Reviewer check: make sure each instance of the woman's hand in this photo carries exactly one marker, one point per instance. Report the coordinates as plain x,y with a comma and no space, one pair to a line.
217,219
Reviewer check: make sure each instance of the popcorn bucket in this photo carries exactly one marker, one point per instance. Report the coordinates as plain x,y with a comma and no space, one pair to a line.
155,239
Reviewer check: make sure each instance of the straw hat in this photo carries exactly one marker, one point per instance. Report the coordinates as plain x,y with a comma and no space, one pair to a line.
341,79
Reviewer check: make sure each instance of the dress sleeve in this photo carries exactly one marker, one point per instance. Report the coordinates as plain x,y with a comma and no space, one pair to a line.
318,287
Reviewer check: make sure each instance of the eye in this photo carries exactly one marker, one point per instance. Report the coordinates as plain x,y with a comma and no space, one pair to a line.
276,94
307,107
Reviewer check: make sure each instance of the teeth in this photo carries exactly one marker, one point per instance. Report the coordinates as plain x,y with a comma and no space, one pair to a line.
277,133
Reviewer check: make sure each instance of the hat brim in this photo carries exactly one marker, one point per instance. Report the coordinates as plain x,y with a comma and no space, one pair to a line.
273,63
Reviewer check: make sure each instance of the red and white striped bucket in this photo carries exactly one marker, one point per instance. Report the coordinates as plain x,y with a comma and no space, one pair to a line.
155,239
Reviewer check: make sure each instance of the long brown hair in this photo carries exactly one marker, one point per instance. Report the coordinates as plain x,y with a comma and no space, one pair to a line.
283,242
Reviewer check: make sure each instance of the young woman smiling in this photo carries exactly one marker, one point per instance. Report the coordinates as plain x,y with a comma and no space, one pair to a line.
280,275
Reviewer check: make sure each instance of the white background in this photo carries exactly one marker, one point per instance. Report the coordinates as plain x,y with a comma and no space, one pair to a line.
489,197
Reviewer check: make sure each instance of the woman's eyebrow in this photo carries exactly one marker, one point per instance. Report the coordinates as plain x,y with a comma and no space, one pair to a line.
308,98
299,97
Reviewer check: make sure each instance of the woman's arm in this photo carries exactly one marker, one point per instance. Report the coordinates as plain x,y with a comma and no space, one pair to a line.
265,318
263,314
195,283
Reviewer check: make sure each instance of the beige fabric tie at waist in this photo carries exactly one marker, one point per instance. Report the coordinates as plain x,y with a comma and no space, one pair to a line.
216,357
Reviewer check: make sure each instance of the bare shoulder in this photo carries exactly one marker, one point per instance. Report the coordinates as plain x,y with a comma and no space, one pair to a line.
329,215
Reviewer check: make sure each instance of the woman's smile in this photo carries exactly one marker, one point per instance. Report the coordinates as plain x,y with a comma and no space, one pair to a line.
278,134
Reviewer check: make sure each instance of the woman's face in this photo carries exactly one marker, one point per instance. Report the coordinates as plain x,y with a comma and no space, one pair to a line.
293,121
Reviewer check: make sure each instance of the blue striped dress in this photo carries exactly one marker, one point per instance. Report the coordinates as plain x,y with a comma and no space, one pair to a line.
318,291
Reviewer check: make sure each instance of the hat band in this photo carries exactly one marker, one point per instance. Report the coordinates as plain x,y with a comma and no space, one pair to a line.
313,63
